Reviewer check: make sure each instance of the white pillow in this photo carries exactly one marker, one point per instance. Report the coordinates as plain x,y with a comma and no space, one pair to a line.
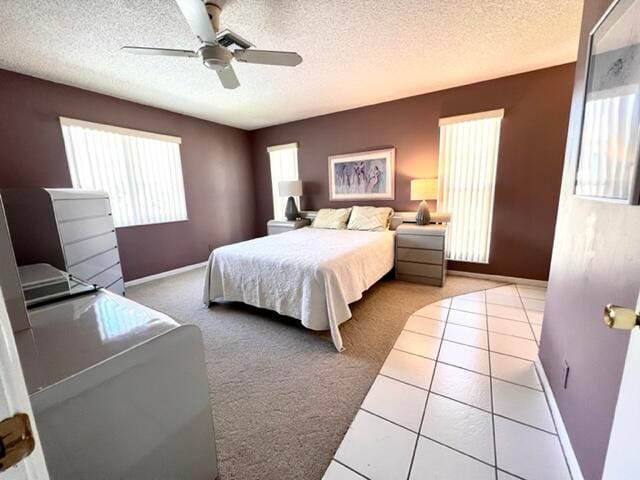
375,219
333,218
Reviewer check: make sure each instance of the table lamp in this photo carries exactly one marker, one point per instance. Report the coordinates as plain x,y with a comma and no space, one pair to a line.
290,188
424,189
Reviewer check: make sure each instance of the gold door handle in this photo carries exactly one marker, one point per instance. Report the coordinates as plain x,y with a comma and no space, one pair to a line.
16,440
623,318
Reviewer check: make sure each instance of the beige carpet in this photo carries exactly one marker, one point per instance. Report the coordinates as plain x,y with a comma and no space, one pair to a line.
282,397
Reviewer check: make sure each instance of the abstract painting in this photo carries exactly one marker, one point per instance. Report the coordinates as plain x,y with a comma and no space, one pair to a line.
362,176
610,136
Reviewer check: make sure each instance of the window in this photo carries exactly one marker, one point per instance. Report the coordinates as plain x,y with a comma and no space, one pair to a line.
466,181
141,171
284,166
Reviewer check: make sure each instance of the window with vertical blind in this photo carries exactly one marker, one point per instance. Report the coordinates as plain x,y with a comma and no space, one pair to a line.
466,182
283,160
141,171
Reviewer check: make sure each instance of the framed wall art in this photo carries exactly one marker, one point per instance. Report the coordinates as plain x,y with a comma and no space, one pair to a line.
362,176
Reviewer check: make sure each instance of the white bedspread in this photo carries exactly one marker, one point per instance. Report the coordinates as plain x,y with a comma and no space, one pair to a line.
309,274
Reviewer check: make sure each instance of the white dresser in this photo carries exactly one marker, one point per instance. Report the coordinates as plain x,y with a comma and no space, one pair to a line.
70,229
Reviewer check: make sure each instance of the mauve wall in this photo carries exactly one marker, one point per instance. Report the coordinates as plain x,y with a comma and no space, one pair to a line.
215,162
529,165
595,261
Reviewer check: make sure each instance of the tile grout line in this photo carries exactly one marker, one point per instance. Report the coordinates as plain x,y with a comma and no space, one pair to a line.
466,344
493,418
546,398
526,314
456,450
457,401
474,313
480,329
404,427
456,366
349,468
426,402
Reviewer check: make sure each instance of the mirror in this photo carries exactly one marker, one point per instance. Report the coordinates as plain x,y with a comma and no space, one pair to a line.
610,135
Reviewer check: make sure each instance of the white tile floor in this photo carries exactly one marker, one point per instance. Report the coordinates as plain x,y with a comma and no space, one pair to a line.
459,398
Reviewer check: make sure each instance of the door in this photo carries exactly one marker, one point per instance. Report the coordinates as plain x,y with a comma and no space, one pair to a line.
15,400
622,460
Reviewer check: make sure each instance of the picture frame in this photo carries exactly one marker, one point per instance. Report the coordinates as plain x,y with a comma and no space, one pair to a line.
609,143
362,176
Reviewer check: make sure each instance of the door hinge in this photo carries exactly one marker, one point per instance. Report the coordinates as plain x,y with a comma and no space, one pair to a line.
16,440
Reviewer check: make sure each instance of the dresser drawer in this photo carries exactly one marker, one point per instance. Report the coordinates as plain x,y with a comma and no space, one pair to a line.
420,256
75,230
91,267
436,282
421,269
81,251
431,242
81,208
108,277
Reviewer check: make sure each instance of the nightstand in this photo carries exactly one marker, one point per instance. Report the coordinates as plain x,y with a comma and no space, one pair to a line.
420,254
281,226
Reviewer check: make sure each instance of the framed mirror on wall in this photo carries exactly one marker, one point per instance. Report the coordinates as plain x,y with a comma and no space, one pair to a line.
610,136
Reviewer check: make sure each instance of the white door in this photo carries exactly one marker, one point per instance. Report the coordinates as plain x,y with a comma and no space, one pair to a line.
14,399
623,461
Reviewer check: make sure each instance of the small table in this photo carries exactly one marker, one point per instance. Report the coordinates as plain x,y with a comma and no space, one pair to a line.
420,253
280,226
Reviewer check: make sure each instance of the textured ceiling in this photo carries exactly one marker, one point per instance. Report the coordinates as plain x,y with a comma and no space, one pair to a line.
355,52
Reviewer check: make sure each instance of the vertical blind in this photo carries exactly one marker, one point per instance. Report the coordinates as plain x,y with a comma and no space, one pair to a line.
466,182
283,160
609,147
141,171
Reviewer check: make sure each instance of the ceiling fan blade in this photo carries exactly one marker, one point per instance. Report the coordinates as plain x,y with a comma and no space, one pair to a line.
267,57
167,52
228,78
198,19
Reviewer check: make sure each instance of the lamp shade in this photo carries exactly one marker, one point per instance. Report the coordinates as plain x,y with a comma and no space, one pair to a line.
290,188
424,189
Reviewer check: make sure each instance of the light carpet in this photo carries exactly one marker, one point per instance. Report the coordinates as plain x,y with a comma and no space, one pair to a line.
282,397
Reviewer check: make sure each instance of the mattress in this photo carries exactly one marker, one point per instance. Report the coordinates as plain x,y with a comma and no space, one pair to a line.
309,274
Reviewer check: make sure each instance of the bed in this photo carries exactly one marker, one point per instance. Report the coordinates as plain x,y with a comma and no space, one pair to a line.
310,274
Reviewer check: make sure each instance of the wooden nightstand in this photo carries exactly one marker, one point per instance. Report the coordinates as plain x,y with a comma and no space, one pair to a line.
281,226
420,254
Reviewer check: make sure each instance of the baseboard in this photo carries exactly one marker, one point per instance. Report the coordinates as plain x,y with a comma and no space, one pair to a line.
499,278
168,273
570,455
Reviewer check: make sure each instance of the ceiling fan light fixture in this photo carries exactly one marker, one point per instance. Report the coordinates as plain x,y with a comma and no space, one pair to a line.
215,57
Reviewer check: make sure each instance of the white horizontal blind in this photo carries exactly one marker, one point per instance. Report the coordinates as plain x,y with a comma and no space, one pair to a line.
141,171
466,182
609,147
283,160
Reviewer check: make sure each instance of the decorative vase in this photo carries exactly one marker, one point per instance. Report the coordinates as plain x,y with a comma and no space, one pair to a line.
291,211
423,217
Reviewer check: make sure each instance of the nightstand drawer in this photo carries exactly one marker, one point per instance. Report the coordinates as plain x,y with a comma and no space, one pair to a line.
436,282
273,230
431,242
420,256
419,269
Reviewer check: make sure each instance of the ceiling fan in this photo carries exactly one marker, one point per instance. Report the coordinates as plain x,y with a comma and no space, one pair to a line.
218,48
